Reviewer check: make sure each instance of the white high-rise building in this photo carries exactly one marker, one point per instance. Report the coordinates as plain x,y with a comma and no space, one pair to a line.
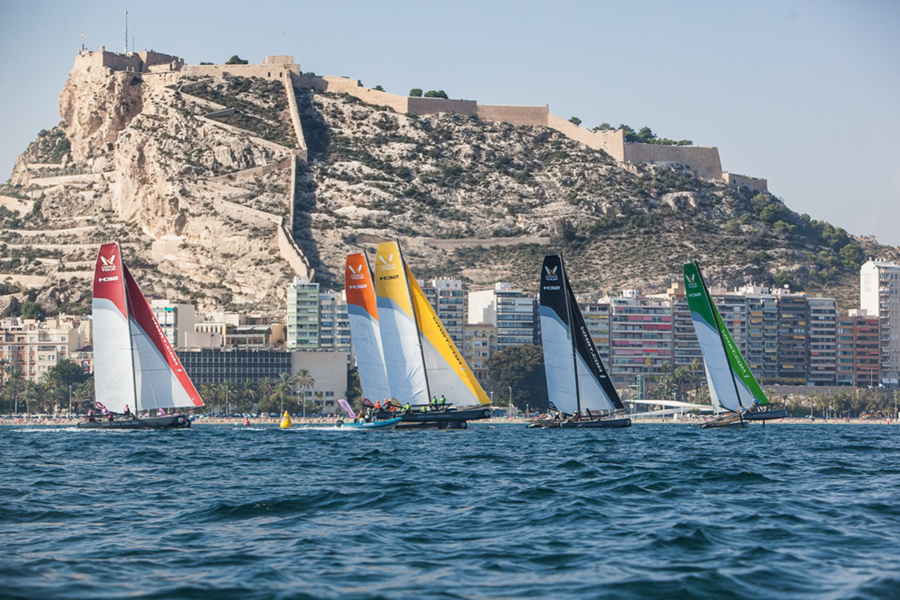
174,319
303,314
879,296
510,311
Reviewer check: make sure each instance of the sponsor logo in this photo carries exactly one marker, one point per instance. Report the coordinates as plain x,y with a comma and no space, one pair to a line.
356,273
691,278
386,265
105,279
387,277
551,273
697,295
108,264
359,287
551,287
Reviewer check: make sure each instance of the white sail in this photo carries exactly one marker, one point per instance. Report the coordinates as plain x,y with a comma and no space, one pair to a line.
399,332
556,340
593,396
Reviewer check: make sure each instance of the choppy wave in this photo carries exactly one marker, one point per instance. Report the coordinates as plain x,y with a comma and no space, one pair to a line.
793,511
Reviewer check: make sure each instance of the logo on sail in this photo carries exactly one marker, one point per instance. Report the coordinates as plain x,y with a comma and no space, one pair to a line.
109,264
551,273
387,266
356,273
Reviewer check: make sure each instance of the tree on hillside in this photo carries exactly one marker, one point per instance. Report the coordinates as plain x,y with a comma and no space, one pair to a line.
236,60
575,120
32,310
415,92
522,369
437,94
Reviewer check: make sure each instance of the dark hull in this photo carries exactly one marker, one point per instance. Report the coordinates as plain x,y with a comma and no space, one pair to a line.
736,421
438,419
168,422
594,424
768,415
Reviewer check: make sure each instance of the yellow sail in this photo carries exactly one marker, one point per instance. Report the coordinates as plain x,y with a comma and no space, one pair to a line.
448,373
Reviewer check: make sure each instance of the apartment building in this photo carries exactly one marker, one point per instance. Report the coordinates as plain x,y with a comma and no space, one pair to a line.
879,296
448,300
512,312
793,340
34,347
174,319
480,343
303,314
822,342
640,329
334,324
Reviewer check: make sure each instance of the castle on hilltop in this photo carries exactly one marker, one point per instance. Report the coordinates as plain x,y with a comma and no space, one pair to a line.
702,160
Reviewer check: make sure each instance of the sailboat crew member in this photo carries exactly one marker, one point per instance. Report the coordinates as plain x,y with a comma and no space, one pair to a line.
443,401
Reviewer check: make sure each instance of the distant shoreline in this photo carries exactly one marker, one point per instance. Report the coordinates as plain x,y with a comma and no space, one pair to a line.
300,422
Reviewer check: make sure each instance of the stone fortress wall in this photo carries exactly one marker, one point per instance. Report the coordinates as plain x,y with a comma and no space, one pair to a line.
702,160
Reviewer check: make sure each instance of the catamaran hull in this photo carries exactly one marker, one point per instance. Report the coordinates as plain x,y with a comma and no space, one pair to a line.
444,419
735,421
768,415
169,422
595,424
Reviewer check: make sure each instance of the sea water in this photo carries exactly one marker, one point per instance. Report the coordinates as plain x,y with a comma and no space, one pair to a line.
655,511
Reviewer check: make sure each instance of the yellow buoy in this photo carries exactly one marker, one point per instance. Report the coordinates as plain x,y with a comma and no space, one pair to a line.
285,420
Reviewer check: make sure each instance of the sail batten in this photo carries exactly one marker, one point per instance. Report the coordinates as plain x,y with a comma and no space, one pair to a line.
365,329
576,377
732,385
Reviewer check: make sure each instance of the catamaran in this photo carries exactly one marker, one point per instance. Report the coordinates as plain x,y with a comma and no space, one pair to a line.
732,386
135,367
421,360
577,382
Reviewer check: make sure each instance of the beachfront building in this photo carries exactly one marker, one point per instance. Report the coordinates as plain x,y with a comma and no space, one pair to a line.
448,299
822,322
640,337
219,365
511,311
34,347
174,319
334,324
303,314
596,318
879,296
858,349
480,343
793,340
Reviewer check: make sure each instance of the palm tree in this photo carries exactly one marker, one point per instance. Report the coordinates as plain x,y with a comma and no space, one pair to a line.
15,383
304,381
284,387
31,393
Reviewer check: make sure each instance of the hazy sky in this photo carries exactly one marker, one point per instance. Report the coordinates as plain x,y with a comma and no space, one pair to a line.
804,94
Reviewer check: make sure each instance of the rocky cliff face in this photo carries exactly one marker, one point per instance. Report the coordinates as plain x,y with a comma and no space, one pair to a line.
193,177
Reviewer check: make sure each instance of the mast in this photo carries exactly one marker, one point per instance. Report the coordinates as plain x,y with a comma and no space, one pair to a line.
568,293
715,316
137,408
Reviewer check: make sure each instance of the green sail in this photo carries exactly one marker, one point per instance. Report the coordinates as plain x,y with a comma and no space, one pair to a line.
731,382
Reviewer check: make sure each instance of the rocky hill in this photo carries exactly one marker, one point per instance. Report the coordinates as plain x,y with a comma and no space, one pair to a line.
193,176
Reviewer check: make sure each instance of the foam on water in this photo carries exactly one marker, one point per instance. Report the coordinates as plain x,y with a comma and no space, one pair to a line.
790,511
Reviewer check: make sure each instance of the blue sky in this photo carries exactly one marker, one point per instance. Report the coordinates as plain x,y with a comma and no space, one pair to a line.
804,94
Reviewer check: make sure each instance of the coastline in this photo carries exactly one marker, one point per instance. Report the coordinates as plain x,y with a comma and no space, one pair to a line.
328,421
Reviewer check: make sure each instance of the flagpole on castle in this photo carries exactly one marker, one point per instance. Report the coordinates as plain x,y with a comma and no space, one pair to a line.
126,32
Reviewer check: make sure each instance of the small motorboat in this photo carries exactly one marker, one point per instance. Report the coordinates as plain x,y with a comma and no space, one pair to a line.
385,425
